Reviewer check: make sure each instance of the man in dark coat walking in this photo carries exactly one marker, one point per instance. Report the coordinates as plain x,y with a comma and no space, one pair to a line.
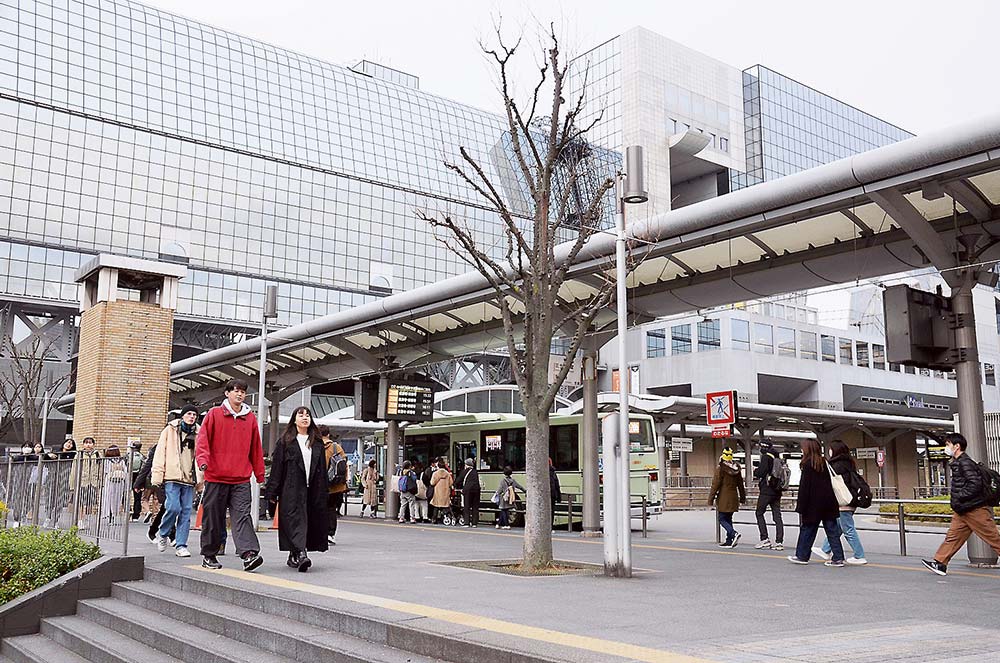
298,483
768,498
472,491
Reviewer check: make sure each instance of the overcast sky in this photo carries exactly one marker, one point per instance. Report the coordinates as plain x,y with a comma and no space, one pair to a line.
919,64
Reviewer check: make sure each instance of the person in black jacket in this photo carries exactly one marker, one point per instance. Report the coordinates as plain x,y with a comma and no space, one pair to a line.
817,503
140,483
968,501
298,483
468,482
768,498
843,465
555,491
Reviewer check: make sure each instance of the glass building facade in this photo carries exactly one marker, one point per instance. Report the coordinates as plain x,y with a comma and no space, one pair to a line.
792,127
128,130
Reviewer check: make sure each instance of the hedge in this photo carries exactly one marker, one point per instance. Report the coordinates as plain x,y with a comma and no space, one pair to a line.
30,558
944,509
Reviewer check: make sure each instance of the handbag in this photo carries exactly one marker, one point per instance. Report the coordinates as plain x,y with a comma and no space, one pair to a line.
840,489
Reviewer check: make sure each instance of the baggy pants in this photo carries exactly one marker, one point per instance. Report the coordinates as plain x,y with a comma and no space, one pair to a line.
216,499
334,502
962,526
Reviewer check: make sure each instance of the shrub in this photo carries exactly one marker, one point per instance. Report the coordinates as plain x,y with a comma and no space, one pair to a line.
916,510
30,558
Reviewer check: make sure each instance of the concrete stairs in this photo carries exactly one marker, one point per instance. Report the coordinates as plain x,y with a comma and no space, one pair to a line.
182,615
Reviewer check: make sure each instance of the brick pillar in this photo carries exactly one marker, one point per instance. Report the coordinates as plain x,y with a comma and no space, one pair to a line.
123,372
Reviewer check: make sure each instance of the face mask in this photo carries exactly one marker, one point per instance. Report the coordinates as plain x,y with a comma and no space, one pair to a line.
949,451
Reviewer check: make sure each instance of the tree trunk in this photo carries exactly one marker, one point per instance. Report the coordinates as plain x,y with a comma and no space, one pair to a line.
537,518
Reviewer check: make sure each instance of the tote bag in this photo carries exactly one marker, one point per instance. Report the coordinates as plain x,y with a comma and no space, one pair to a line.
840,489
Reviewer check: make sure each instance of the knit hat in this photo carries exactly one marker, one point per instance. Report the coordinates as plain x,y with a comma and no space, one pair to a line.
727,455
470,462
188,408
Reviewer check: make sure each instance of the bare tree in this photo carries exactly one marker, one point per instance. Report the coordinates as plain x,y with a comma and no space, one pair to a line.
23,383
568,189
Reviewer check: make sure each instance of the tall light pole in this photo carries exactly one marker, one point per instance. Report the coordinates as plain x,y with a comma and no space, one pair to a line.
631,189
270,312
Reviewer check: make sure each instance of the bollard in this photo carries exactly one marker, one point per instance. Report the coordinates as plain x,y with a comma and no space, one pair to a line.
902,529
644,516
569,512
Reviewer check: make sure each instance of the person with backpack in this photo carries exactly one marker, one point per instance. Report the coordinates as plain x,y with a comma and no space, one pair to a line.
472,491
728,492
336,464
843,464
298,483
975,490
407,493
506,497
772,477
136,461
817,504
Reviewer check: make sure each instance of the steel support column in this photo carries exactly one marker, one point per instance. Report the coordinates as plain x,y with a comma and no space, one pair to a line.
591,469
391,460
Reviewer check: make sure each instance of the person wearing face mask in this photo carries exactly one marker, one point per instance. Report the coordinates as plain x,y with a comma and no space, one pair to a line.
969,503
173,468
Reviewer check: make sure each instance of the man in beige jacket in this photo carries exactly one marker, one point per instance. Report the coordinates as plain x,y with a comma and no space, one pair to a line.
174,469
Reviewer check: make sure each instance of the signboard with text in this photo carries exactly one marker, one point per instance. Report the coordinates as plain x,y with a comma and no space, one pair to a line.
406,400
682,444
866,453
720,412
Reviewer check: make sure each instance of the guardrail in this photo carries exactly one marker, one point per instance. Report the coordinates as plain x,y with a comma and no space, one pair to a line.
91,495
900,515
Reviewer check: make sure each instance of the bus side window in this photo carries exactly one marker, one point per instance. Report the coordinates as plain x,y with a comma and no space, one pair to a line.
511,451
564,447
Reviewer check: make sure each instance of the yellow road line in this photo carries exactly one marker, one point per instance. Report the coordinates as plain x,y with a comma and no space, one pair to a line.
597,645
650,546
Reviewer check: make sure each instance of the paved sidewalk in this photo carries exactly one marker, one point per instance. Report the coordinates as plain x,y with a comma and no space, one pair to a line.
688,597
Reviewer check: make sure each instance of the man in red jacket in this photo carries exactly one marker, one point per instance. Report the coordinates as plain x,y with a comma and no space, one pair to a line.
228,452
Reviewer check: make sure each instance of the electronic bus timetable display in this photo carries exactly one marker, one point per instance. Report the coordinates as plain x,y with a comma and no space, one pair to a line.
406,400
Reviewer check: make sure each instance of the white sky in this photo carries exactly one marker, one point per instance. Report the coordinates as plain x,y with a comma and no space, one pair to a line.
919,64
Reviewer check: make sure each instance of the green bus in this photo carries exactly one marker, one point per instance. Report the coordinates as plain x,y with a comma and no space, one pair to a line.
498,440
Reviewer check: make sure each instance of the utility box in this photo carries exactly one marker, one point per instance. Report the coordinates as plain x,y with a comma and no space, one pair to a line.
918,329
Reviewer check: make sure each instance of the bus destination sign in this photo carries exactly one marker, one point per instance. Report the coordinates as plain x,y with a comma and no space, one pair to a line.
407,400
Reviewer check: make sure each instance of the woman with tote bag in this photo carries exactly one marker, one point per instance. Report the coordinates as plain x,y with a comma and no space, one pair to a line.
817,504
846,471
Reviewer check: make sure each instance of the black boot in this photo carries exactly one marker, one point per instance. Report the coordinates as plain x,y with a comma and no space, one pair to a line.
293,560
304,562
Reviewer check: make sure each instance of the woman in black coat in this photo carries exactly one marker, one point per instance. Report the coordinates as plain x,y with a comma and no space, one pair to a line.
817,504
298,484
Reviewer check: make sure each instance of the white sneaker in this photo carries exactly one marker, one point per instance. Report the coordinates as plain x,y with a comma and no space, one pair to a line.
182,551
777,546
856,561
161,543
795,560
822,555
763,545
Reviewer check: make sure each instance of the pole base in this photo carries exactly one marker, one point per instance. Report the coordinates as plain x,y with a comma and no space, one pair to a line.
596,534
984,565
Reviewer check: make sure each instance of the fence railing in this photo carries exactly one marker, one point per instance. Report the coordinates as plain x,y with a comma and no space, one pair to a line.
93,495
692,493
924,492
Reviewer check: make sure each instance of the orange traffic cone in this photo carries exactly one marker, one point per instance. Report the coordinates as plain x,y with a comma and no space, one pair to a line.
274,523
197,520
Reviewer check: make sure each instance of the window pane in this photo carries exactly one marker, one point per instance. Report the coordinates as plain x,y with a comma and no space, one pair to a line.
763,338
656,342
709,335
991,375
846,351
828,346
863,354
680,339
878,356
807,345
786,341
741,335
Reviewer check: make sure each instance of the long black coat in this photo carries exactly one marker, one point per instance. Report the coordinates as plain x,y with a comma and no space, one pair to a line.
302,511
817,501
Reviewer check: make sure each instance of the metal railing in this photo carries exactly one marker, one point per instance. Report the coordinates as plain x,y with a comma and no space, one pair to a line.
91,495
923,492
900,514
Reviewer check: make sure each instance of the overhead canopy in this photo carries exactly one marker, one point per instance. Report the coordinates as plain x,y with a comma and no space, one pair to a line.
829,225
763,419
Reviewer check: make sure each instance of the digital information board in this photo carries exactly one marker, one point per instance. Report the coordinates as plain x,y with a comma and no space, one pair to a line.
407,400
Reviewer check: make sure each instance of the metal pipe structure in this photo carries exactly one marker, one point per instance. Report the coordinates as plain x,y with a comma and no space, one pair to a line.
591,471
270,311
612,557
391,460
970,393
621,446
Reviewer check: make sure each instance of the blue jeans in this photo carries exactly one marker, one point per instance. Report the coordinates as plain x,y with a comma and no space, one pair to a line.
726,520
807,537
178,514
850,533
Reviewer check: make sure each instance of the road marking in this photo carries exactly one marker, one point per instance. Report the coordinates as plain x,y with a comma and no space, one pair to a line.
651,546
596,645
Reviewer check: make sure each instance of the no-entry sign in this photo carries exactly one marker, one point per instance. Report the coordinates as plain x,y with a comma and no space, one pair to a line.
720,408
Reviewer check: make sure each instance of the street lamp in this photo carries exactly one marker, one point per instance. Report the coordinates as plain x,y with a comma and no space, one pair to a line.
270,312
630,189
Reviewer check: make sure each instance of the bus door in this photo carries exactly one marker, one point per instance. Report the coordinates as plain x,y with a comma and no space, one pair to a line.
462,451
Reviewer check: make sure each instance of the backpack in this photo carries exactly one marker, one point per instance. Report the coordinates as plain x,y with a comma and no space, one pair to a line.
336,472
861,490
780,477
991,485
407,484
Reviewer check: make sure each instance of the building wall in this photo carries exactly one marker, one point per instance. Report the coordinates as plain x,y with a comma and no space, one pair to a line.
123,373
